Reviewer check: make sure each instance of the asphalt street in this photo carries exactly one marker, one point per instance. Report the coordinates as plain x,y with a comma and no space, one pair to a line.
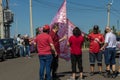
24,68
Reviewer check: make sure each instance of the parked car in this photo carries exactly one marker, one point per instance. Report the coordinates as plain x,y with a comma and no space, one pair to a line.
10,46
118,47
2,53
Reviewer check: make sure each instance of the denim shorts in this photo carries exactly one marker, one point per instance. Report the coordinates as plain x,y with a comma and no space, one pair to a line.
95,57
119,59
109,55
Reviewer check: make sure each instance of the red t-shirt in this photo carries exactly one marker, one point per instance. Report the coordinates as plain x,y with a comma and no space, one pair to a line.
94,45
55,39
76,44
43,41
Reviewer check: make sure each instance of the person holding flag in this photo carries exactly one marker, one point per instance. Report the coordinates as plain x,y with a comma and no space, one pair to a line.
56,42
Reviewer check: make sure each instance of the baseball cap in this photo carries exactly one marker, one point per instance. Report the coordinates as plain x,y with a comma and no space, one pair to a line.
46,27
96,27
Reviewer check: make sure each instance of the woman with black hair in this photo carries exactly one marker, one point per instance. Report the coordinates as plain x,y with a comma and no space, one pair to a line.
75,42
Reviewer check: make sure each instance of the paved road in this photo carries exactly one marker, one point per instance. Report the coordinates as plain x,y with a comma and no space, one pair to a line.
27,69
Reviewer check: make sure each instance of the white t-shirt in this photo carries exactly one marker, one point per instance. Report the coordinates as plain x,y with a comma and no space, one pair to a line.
110,38
20,41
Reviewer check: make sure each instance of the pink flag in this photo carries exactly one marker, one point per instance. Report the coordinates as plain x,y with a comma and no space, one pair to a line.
71,26
61,14
61,18
65,50
65,28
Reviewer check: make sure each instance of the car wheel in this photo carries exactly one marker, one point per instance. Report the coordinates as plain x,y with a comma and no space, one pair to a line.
13,54
17,52
4,57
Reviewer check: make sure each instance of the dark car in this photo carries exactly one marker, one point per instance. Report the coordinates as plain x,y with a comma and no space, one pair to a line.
2,53
10,46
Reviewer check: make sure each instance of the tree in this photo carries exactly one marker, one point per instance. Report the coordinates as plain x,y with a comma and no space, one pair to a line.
37,31
90,30
114,30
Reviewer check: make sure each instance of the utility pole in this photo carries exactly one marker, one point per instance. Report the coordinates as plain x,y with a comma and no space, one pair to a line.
31,24
118,25
7,19
108,11
1,21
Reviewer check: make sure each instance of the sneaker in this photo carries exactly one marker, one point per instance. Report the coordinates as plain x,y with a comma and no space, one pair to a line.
29,57
71,78
107,74
56,79
114,75
100,72
92,73
118,74
80,78
55,76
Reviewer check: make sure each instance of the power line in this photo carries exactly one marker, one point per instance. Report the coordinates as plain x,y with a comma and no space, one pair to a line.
87,7
84,5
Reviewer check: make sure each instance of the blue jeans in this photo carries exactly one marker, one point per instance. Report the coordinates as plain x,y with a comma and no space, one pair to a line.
27,50
119,59
21,50
45,62
109,55
95,57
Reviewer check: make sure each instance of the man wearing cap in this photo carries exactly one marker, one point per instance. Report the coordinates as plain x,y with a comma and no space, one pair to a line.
44,45
110,52
95,39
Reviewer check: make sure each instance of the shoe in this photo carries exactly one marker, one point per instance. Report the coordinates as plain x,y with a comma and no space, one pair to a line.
100,73
29,57
114,75
55,76
80,78
118,74
56,79
107,74
71,78
92,73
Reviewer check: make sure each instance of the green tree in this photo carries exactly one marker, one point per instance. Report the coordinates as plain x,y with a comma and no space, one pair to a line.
90,30
114,30
37,31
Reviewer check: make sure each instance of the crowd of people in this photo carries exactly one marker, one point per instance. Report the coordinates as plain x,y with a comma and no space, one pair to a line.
23,43
48,45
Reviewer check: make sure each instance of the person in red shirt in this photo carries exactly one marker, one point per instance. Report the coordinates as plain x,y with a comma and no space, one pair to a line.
56,41
75,42
96,39
44,45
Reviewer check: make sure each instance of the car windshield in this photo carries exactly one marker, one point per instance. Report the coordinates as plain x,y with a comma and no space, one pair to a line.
4,42
118,38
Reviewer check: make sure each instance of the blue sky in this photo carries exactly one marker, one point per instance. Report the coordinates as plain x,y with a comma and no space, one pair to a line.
83,13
